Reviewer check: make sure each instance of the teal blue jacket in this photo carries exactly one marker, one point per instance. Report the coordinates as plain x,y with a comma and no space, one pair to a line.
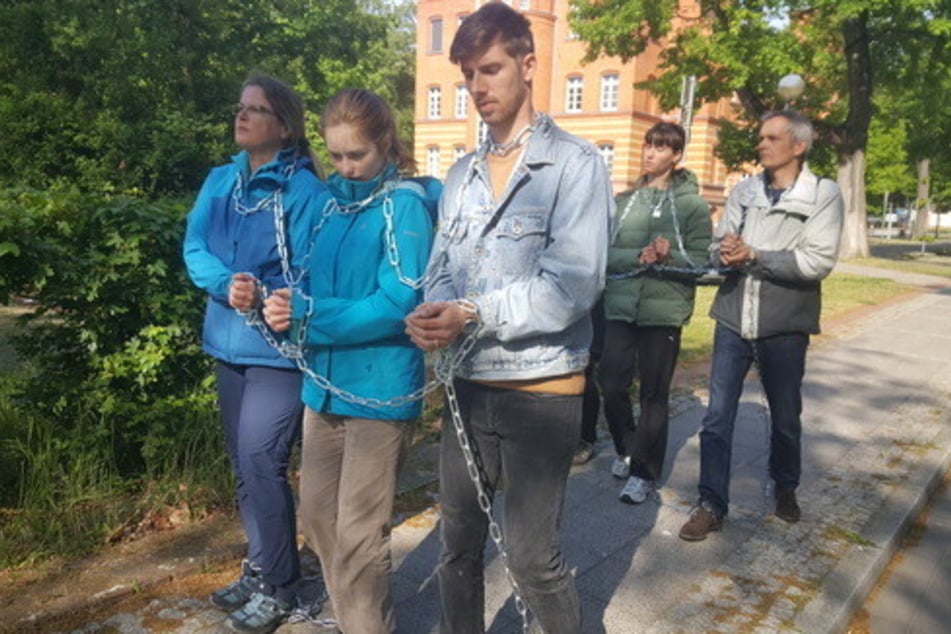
354,331
220,242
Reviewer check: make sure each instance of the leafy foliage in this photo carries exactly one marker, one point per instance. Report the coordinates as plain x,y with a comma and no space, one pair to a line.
845,49
128,95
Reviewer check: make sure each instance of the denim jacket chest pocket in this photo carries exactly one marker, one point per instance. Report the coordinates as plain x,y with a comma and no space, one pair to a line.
514,246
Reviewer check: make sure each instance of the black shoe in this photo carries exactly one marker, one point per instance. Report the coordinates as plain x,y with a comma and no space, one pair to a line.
787,508
237,593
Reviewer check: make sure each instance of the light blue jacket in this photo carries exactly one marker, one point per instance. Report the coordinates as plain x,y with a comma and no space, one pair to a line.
220,242
354,334
533,262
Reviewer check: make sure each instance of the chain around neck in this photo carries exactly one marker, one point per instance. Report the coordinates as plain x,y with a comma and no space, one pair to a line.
502,149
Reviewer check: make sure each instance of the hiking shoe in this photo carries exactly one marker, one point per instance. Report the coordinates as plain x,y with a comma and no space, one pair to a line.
239,592
637,490
583,453
621,467
787,508
702,521
263,613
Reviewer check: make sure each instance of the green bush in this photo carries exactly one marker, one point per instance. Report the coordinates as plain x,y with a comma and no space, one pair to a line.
114,398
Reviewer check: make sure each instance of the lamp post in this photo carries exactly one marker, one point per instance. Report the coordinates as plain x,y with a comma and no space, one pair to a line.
790,88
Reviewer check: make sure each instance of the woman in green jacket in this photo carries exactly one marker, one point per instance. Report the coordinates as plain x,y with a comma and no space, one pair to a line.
663,233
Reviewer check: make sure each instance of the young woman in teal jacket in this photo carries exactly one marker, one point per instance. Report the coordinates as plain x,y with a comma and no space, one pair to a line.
370,247
663,233
268,191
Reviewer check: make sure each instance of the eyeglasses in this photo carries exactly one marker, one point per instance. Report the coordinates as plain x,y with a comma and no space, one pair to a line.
257,111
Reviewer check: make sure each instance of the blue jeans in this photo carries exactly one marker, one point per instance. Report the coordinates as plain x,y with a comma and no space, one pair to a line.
781,360
261,413
526,439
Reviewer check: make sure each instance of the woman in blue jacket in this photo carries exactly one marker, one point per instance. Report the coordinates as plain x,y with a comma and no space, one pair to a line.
232,250
370,248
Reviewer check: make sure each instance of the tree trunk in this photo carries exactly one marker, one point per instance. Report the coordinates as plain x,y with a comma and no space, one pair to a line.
851,179
923,202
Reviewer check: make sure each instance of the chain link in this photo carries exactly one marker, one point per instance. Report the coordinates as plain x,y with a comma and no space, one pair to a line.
445,375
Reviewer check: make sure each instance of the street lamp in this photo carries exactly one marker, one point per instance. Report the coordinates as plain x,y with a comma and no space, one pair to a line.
790,87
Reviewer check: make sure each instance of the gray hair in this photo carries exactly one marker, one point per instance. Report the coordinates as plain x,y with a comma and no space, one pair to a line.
799,126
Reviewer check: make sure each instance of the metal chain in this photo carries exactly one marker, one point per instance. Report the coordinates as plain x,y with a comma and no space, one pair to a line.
644,269
393,252
444,373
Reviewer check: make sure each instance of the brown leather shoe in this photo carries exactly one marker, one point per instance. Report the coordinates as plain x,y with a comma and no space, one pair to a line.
787,508
702,521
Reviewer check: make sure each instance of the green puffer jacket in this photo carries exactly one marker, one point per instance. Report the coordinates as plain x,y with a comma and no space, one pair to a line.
657,298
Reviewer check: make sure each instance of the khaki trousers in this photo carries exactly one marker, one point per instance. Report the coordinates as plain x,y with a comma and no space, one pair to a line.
348,481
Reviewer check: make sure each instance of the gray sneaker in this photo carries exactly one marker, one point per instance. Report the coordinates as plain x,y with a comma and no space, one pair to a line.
637,490
621,467
239,592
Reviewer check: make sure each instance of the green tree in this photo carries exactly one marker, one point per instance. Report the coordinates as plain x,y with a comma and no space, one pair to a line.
742,47
128,95
889,169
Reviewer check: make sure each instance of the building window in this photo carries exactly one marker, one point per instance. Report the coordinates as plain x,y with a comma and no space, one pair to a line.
462,101
524,4
432,161
458,152
435,102
482,132
609,92
573,94
435,35
607,154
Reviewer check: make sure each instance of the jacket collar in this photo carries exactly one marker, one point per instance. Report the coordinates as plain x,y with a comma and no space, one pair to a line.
347,191
799,199
278,170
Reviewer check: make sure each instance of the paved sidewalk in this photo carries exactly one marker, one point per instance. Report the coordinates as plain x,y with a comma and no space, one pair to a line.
877,427
876,439
914,596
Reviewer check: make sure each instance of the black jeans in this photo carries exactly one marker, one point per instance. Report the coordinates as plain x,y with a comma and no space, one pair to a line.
652,352
525,440
591,403
782,363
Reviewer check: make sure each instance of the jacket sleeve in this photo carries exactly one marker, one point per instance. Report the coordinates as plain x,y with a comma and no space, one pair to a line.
343,321
696,231
622,256
731,221
439,287
206,270
570,269
815,253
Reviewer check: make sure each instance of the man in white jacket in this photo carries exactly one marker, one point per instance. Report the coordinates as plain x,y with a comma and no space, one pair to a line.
780,232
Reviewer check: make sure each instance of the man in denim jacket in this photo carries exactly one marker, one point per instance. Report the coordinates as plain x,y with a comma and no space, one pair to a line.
518,263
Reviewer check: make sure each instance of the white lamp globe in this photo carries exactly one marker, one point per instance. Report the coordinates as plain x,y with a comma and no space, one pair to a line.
790,87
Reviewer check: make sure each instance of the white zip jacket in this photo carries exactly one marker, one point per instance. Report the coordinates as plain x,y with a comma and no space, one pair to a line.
796,243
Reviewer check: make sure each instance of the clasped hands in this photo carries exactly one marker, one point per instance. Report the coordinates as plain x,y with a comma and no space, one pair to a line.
244,293
734,251
657,252
435,325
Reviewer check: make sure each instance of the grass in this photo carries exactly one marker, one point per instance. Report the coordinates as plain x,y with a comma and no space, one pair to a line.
909,257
